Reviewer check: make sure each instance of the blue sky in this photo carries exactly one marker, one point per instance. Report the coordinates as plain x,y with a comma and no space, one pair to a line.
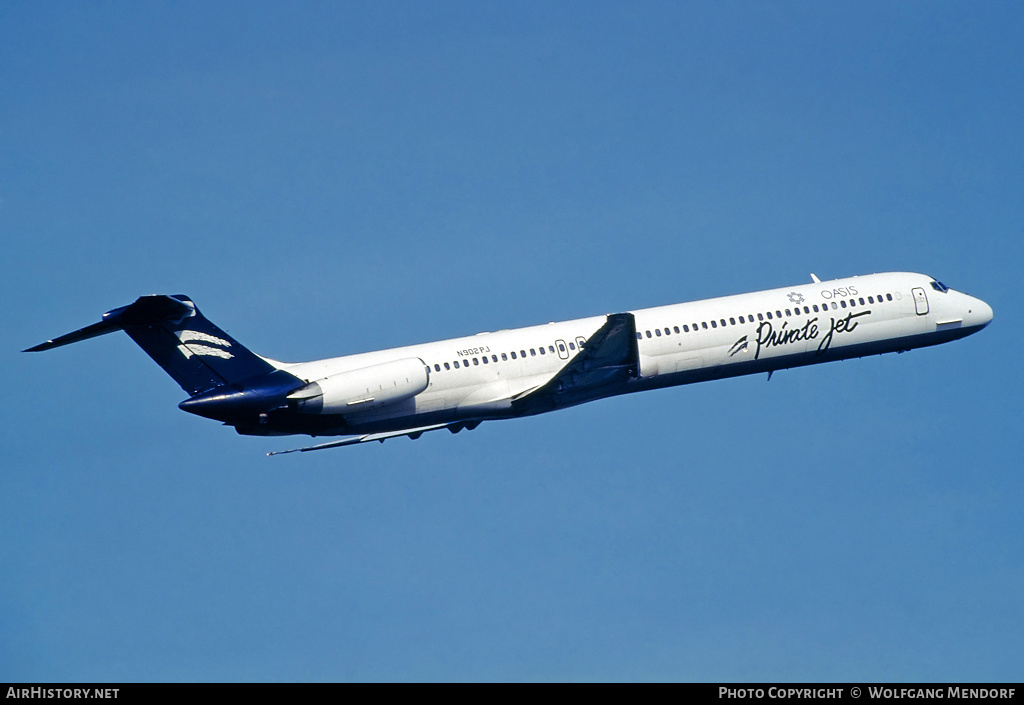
330,178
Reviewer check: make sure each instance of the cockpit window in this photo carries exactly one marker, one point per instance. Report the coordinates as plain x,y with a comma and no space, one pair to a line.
939,286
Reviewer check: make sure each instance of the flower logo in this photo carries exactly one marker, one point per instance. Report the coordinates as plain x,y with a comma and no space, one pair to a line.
795,298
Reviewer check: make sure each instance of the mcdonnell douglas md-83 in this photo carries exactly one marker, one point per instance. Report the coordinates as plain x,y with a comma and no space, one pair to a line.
456,384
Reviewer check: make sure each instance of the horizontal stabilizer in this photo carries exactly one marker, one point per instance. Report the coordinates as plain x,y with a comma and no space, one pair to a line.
145,311
101,328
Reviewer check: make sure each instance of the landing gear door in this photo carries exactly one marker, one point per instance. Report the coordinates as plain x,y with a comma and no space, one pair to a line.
920,301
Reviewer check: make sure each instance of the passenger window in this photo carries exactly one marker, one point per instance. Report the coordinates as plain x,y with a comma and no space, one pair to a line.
572,346
484,359
834,307
522,353
871,299
862,301
504,357
639,336
704,325
533,352
456,363
513,354
447,366
714,324
686,328
722,321
843,303
543,351
806,310
675,328
888,297
741,320
788,312
437,368
475,361
657,332
667,332
769,315
551,349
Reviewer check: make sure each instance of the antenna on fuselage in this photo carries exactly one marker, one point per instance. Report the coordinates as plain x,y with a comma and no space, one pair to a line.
814,278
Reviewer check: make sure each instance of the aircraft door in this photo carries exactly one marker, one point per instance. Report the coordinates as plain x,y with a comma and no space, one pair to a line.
920,301
562,348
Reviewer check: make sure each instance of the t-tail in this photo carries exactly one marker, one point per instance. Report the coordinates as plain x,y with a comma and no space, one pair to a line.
225,380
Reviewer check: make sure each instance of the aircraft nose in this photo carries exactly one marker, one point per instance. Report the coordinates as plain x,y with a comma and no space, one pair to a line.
979,313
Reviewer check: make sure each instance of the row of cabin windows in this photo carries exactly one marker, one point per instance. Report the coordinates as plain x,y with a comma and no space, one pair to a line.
814,308
504,357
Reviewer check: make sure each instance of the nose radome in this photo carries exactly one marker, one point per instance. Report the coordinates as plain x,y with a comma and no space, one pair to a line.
979,313
986,312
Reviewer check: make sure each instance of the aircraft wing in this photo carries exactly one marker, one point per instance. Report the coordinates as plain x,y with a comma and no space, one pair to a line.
609,358
412,433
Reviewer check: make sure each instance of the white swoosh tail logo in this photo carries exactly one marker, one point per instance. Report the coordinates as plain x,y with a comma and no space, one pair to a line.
189,346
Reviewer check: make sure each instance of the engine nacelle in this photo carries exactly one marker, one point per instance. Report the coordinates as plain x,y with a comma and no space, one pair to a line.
366,388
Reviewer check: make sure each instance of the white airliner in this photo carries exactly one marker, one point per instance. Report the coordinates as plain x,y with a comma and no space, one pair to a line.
456,384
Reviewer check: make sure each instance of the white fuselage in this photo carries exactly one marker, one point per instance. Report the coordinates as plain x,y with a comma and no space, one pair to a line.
482,376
